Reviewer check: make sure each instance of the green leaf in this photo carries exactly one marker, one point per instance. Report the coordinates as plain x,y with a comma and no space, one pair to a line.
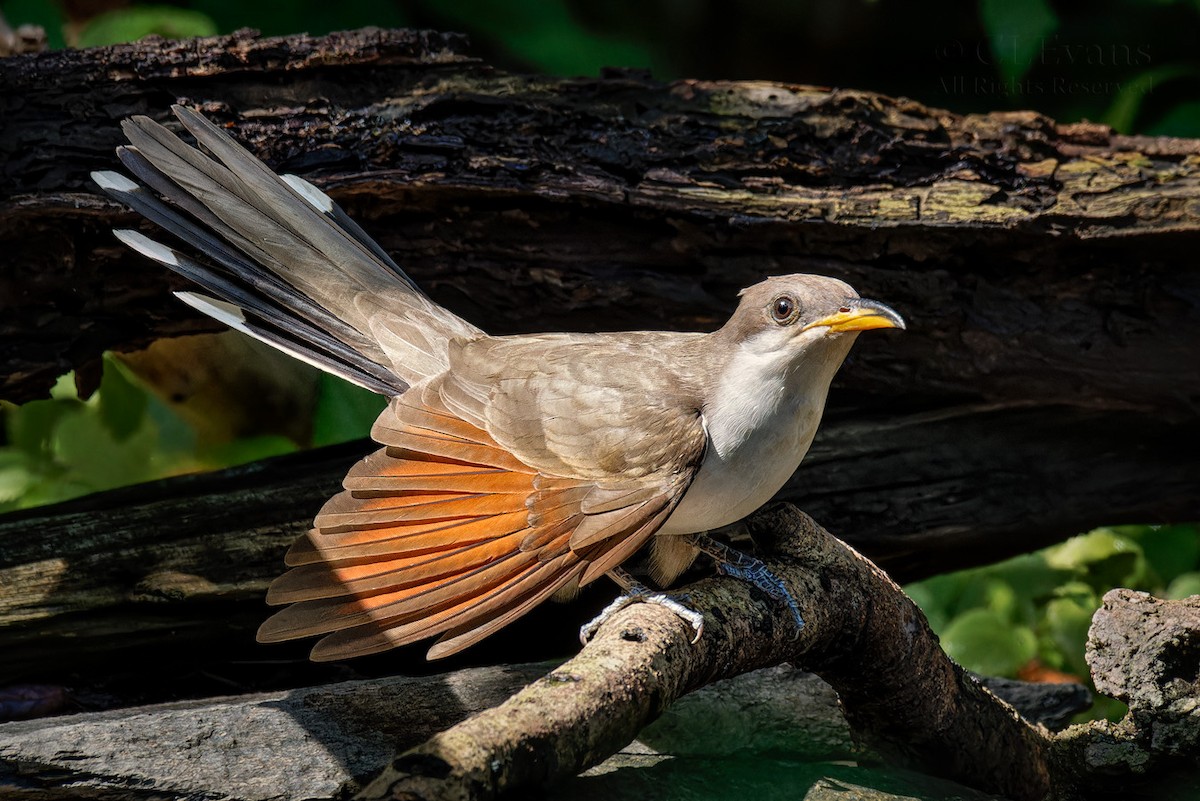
31,426
1016,30
15,474
131,24
250,449
122,403
1182,119
546,34
1170,550
1123,112
983,641
1031,576
95,458
344,411
990,592
1106,558
1184,586
43,13
1067,622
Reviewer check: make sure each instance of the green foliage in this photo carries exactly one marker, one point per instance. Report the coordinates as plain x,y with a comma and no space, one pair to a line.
130,24
1032,612
545,34
43,13
344,411
1015,31
989,642
64,447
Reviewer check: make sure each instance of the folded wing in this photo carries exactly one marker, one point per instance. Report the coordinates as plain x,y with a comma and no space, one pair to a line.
447,532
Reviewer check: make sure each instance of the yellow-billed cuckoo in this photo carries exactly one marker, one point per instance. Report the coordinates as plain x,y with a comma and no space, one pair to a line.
513,468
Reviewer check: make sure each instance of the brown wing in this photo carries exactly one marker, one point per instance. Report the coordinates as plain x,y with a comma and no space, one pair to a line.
447,531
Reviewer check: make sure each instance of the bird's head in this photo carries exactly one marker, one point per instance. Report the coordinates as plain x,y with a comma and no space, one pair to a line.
791,318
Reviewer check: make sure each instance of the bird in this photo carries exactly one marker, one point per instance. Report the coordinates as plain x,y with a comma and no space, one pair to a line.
511,468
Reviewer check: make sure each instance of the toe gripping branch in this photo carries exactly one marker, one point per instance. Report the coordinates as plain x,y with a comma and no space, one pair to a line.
636,592
732,562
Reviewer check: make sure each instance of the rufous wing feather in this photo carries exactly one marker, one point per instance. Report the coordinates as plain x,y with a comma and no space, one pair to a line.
444,531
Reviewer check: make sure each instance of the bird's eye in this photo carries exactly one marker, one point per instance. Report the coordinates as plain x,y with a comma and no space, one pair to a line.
783,309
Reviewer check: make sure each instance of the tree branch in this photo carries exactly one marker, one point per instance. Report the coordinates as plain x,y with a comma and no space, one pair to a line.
862,635
899,693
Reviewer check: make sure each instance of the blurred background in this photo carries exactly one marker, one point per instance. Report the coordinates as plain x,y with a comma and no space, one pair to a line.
1132,64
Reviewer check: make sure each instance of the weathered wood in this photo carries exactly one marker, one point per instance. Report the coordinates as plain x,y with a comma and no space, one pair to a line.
320,742
300,744
176,570
324,741
900,693
1146,652
902,696
1035,262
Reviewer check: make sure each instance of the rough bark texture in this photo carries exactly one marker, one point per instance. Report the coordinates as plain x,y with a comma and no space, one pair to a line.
177,568
301,744
324,741
180,567
861,634
898,691
1145,652
1037,262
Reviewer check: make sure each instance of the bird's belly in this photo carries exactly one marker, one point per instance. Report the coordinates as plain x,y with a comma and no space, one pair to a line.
729,487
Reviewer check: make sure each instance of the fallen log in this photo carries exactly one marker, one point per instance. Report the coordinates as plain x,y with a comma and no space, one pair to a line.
1036,262
327,741
179,568
900,695
1047,271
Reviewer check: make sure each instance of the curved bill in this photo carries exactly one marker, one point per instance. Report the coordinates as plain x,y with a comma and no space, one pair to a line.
860,314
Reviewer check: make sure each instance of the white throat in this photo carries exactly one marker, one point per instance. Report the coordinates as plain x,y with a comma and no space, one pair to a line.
761,417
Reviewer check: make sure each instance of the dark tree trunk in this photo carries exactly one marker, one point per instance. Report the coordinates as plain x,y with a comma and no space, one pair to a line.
1045,385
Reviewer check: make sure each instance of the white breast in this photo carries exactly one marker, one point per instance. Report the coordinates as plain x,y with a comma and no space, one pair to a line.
760,421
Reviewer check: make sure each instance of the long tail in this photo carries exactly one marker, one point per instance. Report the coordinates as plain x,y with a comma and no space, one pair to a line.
282,262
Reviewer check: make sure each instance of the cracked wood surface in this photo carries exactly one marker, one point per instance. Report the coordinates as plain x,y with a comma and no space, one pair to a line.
1036,262
1047,272
153,579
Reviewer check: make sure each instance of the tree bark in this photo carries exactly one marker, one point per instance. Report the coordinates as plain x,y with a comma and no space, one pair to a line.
325,742
901,695
1037,263
1046,272
178,568
869,642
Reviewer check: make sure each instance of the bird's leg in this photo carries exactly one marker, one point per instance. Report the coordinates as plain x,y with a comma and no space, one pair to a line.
732,562
636,592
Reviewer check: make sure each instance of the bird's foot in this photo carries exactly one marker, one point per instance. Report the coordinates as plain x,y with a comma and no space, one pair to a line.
636,592
732,562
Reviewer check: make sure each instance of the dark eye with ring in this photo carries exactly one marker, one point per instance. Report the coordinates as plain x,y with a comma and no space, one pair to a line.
783,309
